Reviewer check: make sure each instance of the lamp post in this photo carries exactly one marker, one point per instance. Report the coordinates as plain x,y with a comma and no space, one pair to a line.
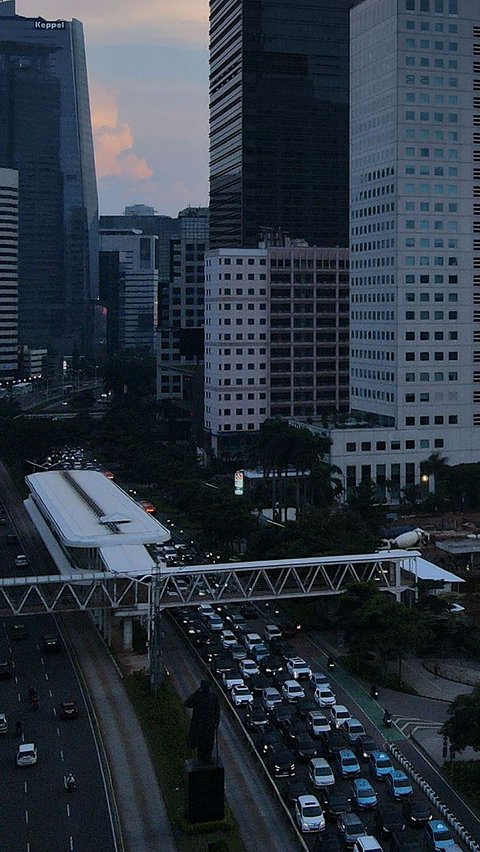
154,629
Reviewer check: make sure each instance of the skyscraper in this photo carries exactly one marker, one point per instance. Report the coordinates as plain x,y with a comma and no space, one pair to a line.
279,120
45,134
8,273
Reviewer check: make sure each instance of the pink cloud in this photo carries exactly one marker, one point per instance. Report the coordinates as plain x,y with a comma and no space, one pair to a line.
113,139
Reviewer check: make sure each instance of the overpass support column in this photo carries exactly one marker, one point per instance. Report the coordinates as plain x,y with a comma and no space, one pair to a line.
127,625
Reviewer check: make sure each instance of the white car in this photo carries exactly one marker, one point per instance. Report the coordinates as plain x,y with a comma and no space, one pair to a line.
324,697
298,668
292,690
319,679
215,623
309,814
252,639
338,715
241,695
3,724
227,638
231,679
317,723
270,697
248,668
26,754
206,610
320,772
21,561
272,631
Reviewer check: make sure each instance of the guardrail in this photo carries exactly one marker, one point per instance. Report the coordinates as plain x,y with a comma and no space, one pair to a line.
453,822
249,741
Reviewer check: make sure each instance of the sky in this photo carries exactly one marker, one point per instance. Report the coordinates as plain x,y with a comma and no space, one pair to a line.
148,75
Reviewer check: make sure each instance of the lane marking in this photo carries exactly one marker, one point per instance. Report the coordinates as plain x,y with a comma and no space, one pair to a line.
26,817
46,676
50,693
68,810
61,756
58,731
42,660
24,786
71,843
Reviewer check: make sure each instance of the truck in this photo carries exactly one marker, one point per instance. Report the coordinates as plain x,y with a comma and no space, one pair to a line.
22,389
407,540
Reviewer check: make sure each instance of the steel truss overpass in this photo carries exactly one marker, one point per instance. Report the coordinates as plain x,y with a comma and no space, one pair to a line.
392,571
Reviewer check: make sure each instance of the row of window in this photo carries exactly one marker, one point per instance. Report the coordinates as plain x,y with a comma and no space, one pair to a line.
239,276
369,393
424,62
438,7
238,321
239,261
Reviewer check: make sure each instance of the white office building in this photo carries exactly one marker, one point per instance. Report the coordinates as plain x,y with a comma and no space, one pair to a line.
414,249
8,273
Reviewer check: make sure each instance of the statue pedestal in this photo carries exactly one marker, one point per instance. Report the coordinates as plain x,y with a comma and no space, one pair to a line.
205,793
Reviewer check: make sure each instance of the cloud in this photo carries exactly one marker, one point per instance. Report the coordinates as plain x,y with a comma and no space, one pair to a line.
125,22
113,139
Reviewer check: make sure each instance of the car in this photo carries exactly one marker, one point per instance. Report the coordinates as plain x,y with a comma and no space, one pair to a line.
26,754
271,665
336,801
333,743
272,631
320,772
252,639
296,789
317,723
3,724
267,738
363,794
305,706
281,716
68,710
237,651
259,651
338,715
417,811
270,697
227,638
241,695
380,765
293,726
19,630
5,670
350,828
279,678
324,696
235,619
347,763
388,820
248,668
398,784
12,538
308,814
304,746
21,561
215,623
256,716
352,729
406,841
368,843
282,648
248,610
260,682
298,668
231,679
438,836
51,642
281,761
292,691
290,630
222,664
206,609
319,679
364,746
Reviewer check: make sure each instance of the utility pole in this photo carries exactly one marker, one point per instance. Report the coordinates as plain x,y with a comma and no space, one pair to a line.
155,632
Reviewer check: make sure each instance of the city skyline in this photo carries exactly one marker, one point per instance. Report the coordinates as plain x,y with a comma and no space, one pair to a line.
148,76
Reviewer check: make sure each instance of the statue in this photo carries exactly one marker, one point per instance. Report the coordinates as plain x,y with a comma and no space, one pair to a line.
204,722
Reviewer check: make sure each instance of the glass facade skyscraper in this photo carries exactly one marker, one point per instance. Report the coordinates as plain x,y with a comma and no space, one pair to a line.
279,92
45,134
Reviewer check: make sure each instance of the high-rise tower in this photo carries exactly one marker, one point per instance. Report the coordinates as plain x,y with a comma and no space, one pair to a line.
45,134
279,120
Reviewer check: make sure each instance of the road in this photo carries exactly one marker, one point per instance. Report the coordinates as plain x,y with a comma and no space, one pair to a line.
37,812
18,521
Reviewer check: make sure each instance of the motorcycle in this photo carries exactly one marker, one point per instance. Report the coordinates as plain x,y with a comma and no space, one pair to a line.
69,782
35,703
374,692
330,663
387,719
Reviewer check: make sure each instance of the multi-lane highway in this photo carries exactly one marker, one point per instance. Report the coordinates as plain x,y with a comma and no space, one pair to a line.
37,813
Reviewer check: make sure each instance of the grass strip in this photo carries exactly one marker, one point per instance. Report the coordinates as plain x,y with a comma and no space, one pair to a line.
165,724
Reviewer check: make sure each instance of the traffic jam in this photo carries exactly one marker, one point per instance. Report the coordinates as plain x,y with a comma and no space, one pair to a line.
342,788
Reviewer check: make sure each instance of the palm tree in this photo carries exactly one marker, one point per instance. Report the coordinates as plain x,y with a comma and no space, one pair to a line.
434,468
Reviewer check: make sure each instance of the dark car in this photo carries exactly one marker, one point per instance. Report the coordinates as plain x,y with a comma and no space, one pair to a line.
68,710
350,828
215,650
248,610
279,679
296,789
333,743
259,682
267,738
271,665
281,761
5,670
336,801
51,642
281,715
305,747
255,716
12,538
406,841
292,727
364,746
289,630
223,664
416,811
279,647
388,821
19,631
306,706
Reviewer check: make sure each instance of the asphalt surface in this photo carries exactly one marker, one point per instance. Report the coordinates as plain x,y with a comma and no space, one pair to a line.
37,813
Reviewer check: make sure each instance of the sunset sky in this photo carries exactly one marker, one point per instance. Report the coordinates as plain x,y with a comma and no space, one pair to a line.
148,73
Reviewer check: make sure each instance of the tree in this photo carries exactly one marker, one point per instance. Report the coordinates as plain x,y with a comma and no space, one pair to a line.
463,723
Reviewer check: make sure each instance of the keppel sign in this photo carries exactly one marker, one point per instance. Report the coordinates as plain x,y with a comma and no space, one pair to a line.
40,24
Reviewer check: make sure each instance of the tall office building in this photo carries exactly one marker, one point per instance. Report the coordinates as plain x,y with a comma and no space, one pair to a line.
45,134
279,120
8,273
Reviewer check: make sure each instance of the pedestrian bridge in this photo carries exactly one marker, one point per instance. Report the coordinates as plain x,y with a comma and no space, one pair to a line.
393,571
